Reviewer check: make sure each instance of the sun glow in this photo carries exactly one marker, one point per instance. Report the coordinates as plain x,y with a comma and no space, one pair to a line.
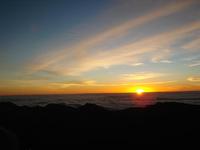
139,91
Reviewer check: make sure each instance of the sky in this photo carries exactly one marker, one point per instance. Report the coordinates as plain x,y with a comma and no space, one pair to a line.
99,46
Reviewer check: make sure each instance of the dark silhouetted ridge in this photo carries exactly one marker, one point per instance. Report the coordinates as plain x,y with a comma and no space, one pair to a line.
57,126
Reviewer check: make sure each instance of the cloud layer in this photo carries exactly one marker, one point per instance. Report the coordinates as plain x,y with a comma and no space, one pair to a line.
88,55
151,45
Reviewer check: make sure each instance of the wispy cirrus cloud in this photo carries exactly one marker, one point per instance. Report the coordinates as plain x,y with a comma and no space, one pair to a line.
141,76
137,64
166,61
192,58
84,83
194,64
193,45
162,56
76,59
158,82
72,83
194,79
93,83
126,53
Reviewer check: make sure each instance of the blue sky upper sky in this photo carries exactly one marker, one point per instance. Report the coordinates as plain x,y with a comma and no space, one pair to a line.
76,46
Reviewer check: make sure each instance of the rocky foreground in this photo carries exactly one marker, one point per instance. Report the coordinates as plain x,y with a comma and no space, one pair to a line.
57,126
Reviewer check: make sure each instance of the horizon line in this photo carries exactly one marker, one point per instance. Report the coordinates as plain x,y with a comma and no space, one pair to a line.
96,93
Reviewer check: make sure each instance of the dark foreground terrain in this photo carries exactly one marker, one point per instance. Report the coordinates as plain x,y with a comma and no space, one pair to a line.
57,126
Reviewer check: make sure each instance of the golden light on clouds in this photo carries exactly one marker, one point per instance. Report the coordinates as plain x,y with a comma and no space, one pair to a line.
140,47
194,79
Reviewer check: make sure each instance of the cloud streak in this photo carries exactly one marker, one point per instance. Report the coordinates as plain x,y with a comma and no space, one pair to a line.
141,76
137,64
194,79
195,44
86,83
162,56
128,53
194,64
80,60
159,82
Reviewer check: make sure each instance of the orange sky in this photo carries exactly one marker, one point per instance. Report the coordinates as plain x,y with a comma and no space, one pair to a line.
99,47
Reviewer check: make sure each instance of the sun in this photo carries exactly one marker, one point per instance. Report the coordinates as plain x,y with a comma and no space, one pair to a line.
139,91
